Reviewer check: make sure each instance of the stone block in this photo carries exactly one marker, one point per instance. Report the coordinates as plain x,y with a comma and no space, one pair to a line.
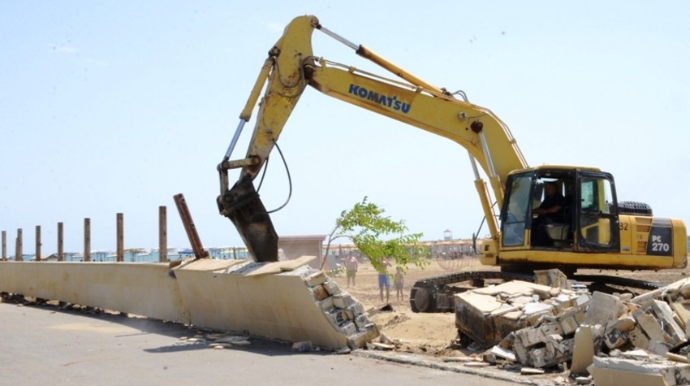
623,324
336,316
638,338
603,308
343,300
615,334
682,312
319,292
531,336
356,309
348,328
563,303
651,326
360,339
326,304
316,278
613,338
331,287
552,278
555,351
538,357
569,324
521,353
668,322
361,321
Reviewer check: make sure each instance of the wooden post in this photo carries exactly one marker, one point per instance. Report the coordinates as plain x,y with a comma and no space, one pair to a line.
162,234
18,256
189,226
60,256
38,243
4,245
87,239
120,238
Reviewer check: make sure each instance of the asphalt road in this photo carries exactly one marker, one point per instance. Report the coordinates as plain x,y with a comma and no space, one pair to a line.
45,345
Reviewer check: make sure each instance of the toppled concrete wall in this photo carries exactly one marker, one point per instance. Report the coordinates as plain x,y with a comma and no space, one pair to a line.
281,300
487,315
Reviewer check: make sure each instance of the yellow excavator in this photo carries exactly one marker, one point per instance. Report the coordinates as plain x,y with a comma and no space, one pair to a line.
591,228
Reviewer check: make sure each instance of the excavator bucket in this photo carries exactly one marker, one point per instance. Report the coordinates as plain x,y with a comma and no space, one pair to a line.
243,206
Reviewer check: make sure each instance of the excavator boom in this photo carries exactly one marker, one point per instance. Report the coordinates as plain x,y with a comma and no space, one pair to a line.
291,67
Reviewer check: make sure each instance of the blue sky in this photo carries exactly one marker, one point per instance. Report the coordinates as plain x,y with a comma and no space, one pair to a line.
116,106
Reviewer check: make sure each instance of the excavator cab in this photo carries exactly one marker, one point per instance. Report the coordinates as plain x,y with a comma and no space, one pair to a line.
560,208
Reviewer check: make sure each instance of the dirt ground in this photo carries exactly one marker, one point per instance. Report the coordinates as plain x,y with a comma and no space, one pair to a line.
430,334
435,334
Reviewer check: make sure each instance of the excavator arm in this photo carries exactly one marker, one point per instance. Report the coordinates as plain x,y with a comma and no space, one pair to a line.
287,72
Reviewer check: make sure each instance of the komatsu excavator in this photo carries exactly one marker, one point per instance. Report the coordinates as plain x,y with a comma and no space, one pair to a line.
591,230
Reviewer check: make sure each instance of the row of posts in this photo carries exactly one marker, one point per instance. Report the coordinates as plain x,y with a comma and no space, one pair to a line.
162,239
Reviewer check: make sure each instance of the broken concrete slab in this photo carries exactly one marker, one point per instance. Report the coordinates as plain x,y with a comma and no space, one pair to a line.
603,309
531,371
583,350
552,278
503,353
668,320
532,336
613,377
631,372
472,312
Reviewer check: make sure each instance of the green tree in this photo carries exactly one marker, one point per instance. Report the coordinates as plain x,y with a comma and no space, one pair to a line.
378,237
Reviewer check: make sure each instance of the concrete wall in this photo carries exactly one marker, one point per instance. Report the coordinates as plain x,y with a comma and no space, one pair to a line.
281,300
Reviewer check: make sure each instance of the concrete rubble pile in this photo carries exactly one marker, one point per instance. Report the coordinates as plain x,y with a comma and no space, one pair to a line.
617,339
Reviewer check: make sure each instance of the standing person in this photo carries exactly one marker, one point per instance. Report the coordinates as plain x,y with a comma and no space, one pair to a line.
398,284
351,266
384,280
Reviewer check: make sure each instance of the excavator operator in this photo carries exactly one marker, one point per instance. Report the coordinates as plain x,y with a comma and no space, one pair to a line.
550,211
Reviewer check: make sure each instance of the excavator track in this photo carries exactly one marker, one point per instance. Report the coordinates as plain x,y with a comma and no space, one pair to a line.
435,294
